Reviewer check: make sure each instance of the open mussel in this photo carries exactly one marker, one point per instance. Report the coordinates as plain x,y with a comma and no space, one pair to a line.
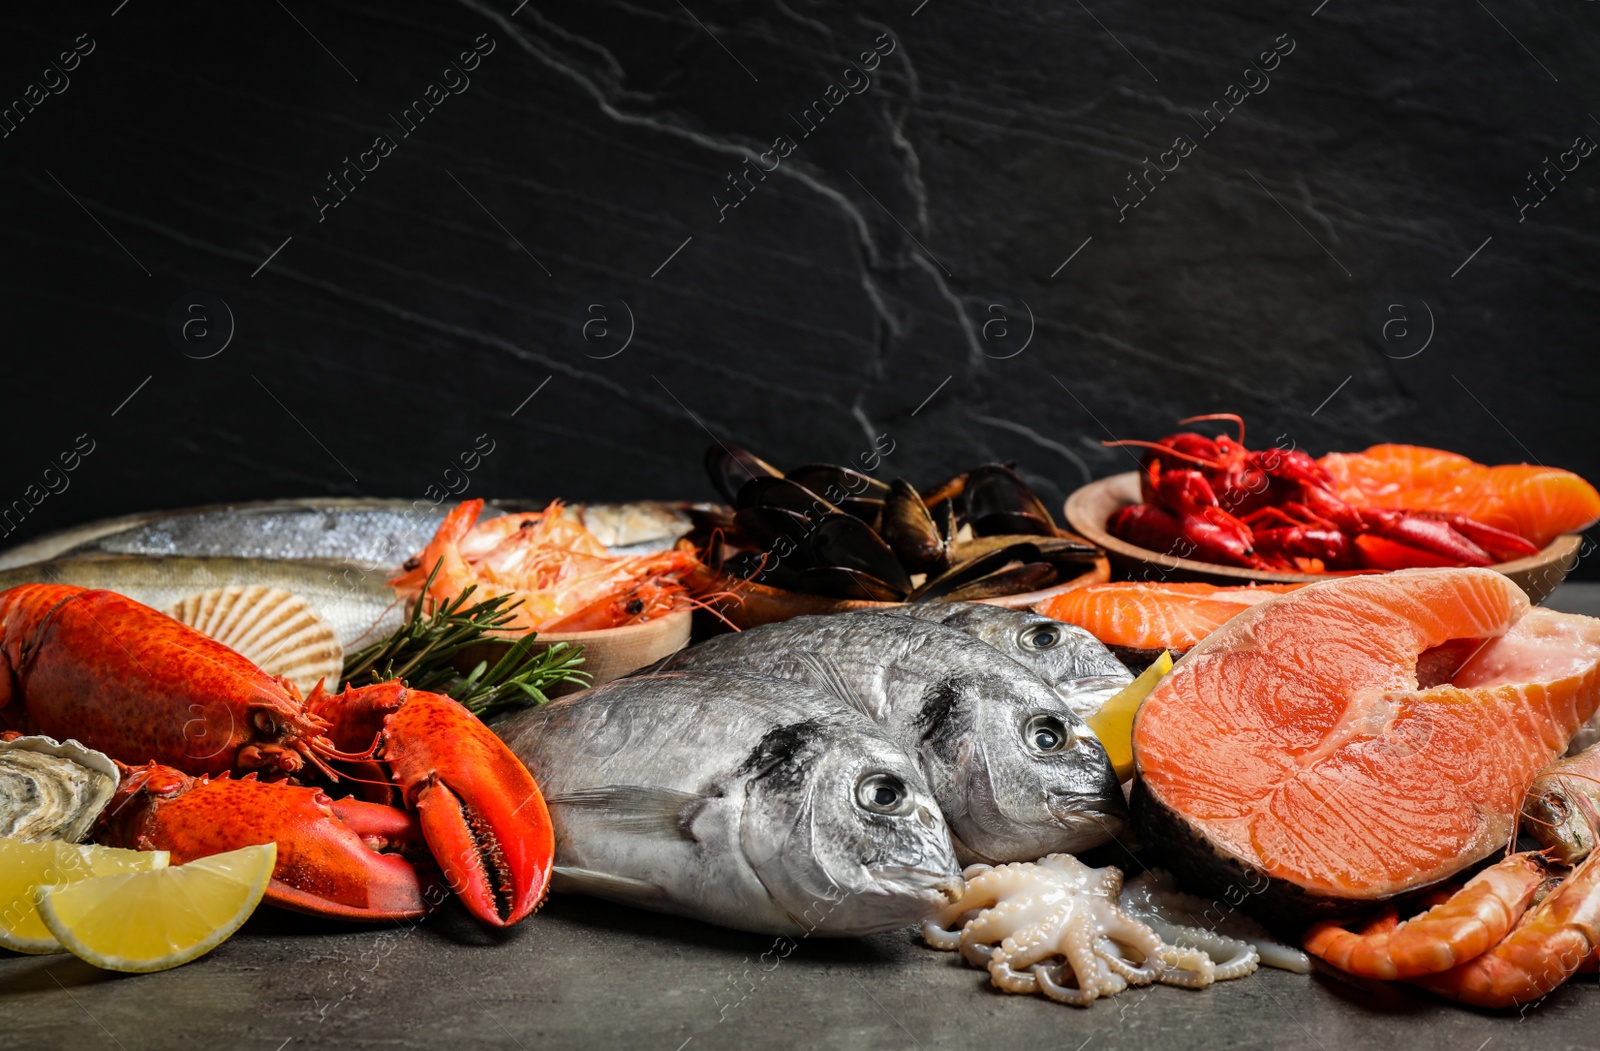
1010,570
849,543
909,529
730,467
830,530
839,582
998,501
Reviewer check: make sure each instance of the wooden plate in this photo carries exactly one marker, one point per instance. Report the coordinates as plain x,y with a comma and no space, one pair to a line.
752,604
1088,509
609,653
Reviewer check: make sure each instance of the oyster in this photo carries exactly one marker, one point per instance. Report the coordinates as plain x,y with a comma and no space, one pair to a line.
51,789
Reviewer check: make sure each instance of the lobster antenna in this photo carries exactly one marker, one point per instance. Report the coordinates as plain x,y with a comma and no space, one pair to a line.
1229,417
1158,447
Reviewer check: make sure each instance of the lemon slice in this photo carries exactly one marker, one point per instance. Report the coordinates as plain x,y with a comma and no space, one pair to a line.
150,921
1113,723
24,866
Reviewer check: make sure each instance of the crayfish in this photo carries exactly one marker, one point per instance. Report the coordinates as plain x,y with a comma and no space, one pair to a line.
216,754
1215,500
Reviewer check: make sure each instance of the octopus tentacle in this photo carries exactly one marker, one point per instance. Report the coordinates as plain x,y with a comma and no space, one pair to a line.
1056,927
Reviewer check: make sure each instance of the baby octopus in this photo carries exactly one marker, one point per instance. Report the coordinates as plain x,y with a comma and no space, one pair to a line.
1055,926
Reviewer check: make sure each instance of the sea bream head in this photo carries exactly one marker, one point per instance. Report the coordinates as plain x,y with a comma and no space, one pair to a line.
845,835
758,803
1076,664
1018,774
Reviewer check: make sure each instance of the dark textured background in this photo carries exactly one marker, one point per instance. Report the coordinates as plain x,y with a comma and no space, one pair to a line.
377,344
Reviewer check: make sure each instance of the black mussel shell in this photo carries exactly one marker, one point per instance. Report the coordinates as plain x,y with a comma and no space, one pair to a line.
838,483
781,492
839,582
850,543
962,574
1016,579
1058,550
730,467
910,530
998,501
777,530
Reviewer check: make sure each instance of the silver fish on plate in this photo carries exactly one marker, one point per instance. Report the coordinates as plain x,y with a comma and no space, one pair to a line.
52,789
1078,665
753,803
372,532
1016,772
353,600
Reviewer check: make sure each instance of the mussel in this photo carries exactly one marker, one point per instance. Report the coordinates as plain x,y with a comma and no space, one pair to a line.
849,543
830,530
910,530
998,501
730,467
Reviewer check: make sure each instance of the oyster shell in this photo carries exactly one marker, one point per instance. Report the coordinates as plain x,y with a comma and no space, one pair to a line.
52,789
277,630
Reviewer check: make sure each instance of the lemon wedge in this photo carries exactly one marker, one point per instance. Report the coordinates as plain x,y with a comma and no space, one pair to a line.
24,866
1113,723
150,921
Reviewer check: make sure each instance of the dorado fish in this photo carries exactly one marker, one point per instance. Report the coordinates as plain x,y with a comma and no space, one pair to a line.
1074,662
373,532
352,599
753,803
1017,773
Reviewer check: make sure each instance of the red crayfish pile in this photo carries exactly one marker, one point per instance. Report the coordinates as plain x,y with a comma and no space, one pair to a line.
1214,500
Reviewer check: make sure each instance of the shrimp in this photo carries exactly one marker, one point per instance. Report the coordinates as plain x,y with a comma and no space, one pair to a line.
558,573
1469,923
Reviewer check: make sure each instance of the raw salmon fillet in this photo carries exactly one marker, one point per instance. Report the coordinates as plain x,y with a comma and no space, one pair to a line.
1156,616
1537,503
1296,739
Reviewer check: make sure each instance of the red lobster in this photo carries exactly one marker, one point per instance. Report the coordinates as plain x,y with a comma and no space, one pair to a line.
1277,510
143,688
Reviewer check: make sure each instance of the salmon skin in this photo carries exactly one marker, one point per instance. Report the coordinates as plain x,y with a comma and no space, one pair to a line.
1295,748
1138,620
1537,503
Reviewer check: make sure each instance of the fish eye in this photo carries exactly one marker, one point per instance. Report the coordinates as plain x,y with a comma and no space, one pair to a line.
1042,638
883,794
1047,734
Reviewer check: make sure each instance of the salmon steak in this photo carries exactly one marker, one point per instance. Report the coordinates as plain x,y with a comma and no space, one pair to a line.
1137,616
1535,502
1300,747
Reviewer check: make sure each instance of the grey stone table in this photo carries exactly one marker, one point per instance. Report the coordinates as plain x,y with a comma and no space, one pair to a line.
587,974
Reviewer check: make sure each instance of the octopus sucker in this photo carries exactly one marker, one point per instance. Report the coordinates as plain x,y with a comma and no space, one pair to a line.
1060,928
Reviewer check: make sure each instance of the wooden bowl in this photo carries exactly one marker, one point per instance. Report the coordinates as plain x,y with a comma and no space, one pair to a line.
1089,507
753,604
608,653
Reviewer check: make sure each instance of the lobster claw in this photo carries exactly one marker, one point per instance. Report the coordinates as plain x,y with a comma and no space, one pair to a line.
329,862
481,811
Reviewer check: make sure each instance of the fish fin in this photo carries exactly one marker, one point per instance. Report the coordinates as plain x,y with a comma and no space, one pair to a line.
565,879
828,677
635,808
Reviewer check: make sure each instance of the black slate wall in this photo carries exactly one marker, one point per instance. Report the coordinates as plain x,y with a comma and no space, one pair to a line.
1342,259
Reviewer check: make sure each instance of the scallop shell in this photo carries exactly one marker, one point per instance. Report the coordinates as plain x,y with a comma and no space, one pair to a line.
277,630
51,789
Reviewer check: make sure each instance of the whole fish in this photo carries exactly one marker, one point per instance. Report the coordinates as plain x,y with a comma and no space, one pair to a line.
1078,665
753,803
374,532
351,598
1017,773
1550,813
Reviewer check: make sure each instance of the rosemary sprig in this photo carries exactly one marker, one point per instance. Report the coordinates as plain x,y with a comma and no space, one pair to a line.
424,649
